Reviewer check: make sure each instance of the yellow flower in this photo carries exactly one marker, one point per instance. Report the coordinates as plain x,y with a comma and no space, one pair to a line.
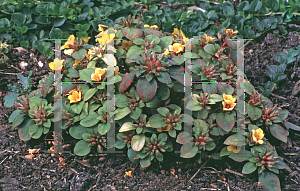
167,52
179,34
100,27
257,136
208,39
51,148
74,96
70,44
56,64
76,62
228,103
105,38
152,26
99,73
31,151
176,31
176,48
230,32
126,44
117,72
165,128
129,173
234,148
86,40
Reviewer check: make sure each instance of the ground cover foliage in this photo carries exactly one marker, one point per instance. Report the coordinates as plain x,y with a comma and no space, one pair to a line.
149,95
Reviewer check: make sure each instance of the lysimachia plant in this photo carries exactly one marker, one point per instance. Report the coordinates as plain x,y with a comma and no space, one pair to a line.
148,112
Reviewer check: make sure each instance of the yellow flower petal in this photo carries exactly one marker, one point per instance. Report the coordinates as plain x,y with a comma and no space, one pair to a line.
176,31
86,40
74,96
69,51
146,25
57,64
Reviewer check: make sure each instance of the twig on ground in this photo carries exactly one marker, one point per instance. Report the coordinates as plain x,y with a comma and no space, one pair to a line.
292,164
233,172
284,105
8,73
3,160
278,96
83,163
292,154
210,189
227,185
72,169
199,170
2,129
93,187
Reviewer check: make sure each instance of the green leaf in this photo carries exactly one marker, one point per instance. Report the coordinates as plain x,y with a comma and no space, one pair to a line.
278,132
122,101
126,81
210,88
253,112
281,57
77,107
13,115
18,18
159,156
85,74
248,168
292,126
59,22
121,113
138,41
138,142
77,131
236,140
82,148
194,105
135,114
156,121
255,6
103,128
146,90
163,111
243,6
186,118
241,156
226,121
55,33
270,181
90,120
128,126
210,49
89,93
165,42
132,33
35,131
79,55
273,4
10,98
225,89
23,129
188,150
184,137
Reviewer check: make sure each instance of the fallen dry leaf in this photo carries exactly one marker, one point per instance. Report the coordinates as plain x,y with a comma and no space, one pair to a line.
31,151
172,171
20,49
30,157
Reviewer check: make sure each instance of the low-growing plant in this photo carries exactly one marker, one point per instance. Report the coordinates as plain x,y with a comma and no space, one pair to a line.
276,73
149,99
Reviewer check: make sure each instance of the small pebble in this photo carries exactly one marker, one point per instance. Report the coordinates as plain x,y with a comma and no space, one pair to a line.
40,64
23,65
